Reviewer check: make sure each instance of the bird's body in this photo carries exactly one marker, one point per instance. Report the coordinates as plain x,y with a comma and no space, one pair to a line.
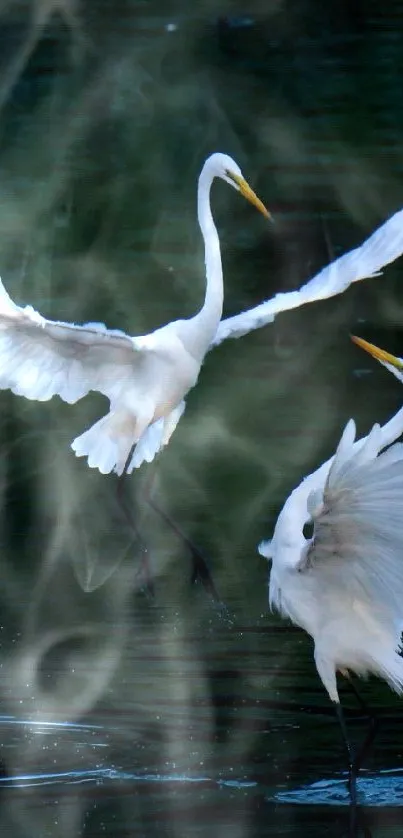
349,633
145,378
152,393
155,371
344,585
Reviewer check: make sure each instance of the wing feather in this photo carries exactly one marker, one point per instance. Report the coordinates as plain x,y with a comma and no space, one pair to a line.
358,528
42,358
364,262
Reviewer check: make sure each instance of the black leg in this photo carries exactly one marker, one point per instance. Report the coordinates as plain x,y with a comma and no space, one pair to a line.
200,570
355,760
145,570
352,765
360,700
373,723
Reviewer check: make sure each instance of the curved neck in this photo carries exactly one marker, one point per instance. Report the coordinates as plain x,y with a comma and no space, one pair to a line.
203,326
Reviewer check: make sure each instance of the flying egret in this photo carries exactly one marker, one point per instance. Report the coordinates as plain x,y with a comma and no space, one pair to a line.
392,362
145,378
344,585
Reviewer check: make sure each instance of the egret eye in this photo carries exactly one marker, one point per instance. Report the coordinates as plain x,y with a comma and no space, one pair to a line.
308,529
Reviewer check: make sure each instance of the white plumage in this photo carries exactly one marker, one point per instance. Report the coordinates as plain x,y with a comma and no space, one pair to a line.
364,262
344,585
145,378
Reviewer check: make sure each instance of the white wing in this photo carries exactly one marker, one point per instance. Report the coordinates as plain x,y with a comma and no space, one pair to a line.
358,523
383,247
42,358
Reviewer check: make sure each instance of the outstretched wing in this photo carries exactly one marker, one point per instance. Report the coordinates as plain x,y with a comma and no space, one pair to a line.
383,247
42,358
358,523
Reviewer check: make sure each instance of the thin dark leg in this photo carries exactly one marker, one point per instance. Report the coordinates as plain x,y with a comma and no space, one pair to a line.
200,570
145,565
125,508
352,766
355,760
373,724
360,700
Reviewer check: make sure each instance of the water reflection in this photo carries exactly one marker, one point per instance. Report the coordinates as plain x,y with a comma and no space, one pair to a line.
123,716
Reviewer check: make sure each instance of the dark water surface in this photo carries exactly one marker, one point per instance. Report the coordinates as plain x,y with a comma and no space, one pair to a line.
123,714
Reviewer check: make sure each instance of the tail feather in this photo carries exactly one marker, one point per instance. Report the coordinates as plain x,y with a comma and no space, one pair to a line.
149,444
105,448
155,437
108,443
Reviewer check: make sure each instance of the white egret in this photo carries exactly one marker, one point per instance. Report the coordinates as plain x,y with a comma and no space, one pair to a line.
392,362
145,378
344,585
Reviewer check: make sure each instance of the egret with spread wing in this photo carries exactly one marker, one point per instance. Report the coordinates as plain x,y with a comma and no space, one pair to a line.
145,378
344,585
382,247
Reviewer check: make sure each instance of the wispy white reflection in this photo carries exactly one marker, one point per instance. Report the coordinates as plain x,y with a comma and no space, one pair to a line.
97,775
11,720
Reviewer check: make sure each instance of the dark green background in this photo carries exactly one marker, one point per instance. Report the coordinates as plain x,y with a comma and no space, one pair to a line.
106,118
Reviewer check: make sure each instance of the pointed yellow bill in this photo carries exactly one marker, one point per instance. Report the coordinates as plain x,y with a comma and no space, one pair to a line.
249,194
378,353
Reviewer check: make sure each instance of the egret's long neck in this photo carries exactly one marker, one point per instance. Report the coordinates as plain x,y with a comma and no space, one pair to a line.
201,329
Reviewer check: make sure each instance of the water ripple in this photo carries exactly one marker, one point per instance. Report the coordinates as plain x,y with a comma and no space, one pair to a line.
382,789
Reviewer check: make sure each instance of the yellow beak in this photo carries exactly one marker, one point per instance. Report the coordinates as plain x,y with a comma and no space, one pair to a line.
250,195
377,353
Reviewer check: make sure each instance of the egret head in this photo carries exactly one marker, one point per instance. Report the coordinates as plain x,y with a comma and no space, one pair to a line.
289,543
391,362
224,167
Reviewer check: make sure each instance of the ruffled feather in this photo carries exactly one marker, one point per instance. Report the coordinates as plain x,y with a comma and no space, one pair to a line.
358,533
